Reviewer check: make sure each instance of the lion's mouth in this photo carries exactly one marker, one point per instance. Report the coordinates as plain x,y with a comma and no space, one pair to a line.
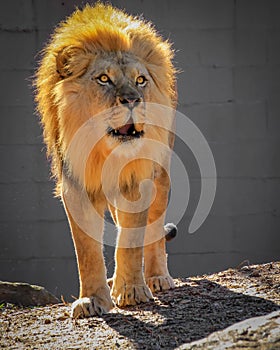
126,132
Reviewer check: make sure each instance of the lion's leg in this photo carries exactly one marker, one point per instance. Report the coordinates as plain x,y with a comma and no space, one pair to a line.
94,298
155,258
129,287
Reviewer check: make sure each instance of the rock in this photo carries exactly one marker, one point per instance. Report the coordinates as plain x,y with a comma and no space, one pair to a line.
255,333
25,294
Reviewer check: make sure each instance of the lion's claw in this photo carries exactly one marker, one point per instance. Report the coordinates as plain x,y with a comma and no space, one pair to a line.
87,307
160,283
131,294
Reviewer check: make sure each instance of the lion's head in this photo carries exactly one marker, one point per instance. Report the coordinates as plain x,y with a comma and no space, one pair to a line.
101,59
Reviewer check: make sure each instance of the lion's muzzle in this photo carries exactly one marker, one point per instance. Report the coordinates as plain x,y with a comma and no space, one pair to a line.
129,101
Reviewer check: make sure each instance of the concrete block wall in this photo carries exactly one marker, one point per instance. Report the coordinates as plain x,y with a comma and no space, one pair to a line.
229,55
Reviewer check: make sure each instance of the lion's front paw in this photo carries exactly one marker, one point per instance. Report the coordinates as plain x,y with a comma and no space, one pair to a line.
131,294
95,305
160,283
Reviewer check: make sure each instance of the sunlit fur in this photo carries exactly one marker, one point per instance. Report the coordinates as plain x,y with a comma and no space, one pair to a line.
93,41
78,42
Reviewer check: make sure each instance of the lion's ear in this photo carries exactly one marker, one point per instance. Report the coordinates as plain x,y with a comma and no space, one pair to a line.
72,61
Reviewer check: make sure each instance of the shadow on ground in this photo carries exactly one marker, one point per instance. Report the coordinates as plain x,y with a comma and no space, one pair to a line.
187,313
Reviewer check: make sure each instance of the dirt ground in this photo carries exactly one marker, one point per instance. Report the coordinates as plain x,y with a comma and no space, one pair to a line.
197,307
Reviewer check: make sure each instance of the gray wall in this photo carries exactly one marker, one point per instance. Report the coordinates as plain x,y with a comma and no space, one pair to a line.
229,54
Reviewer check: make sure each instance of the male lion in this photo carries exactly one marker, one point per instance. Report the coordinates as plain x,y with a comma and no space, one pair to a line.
105,89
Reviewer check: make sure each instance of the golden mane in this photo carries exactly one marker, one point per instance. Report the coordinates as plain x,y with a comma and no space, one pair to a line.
85,32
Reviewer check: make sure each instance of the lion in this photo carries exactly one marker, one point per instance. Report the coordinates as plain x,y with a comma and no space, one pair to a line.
102,87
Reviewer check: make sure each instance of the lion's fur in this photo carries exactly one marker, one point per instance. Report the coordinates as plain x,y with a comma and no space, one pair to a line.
66,101
99,28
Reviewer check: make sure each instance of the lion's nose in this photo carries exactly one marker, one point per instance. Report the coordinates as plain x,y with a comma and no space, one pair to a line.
130,102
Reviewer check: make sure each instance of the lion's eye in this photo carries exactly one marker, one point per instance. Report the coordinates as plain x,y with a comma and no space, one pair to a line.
141,80
103,79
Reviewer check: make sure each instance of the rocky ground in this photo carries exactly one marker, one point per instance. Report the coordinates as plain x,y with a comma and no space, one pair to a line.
202,312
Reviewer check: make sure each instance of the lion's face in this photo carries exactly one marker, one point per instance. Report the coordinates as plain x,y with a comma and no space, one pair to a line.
113,88
121,84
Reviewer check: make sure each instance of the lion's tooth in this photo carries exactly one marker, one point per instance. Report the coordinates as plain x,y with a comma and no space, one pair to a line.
115,131
133,132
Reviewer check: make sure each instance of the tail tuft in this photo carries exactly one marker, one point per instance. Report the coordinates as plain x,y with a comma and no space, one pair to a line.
170,231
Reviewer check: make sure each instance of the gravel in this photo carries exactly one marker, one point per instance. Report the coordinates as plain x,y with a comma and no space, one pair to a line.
197,307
